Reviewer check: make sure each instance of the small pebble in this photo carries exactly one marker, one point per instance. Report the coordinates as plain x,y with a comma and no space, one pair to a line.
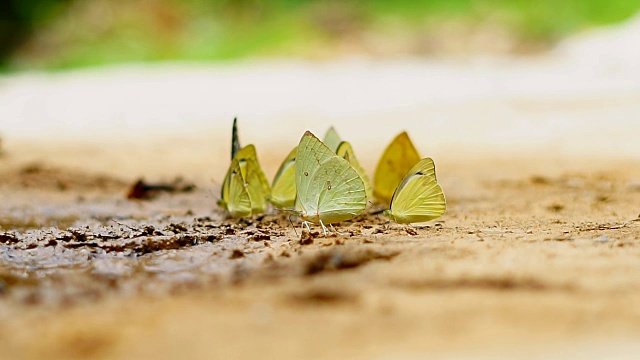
602,239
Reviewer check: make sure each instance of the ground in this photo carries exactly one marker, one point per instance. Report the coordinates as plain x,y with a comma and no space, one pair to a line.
536,257
522,263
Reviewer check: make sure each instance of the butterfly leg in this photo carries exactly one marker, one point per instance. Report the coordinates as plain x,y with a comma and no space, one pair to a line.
334,229
324,228
306,223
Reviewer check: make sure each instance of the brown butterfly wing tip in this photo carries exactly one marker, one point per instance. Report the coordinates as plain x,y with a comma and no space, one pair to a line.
310,133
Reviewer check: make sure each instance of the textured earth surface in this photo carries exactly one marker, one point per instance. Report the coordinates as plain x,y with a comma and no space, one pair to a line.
527,262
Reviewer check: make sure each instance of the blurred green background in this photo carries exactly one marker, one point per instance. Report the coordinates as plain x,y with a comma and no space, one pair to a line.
54,34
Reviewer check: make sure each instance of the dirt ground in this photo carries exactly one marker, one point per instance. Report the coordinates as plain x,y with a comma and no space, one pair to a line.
537,256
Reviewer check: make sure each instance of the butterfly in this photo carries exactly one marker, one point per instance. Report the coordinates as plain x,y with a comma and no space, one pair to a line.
283,187
345,151
254,181
396,160
235,148
328,188
419,197
245,169
235,196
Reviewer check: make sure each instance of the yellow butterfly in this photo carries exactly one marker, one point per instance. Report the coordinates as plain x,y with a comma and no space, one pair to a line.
419,197
235,148
283,187
254,181
328,188
235,197
345,151
398,158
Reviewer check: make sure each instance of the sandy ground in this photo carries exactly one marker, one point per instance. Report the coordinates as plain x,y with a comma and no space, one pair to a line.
537,256
525,264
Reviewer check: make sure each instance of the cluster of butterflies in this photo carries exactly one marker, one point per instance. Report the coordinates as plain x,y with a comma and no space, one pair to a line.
323,182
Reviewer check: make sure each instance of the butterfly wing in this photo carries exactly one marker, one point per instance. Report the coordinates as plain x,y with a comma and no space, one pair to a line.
328,188
311,154
283,188
346,152
235,148
342,192
257,186
419,197
247,152
332,139
235,194
224,190
396,161
252,178
235,141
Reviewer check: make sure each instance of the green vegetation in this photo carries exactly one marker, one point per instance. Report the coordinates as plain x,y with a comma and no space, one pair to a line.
93,32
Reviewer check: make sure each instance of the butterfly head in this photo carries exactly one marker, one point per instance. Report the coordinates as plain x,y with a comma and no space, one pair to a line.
222,203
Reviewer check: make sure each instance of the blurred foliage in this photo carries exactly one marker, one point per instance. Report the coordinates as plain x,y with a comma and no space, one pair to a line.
68,33
19,18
